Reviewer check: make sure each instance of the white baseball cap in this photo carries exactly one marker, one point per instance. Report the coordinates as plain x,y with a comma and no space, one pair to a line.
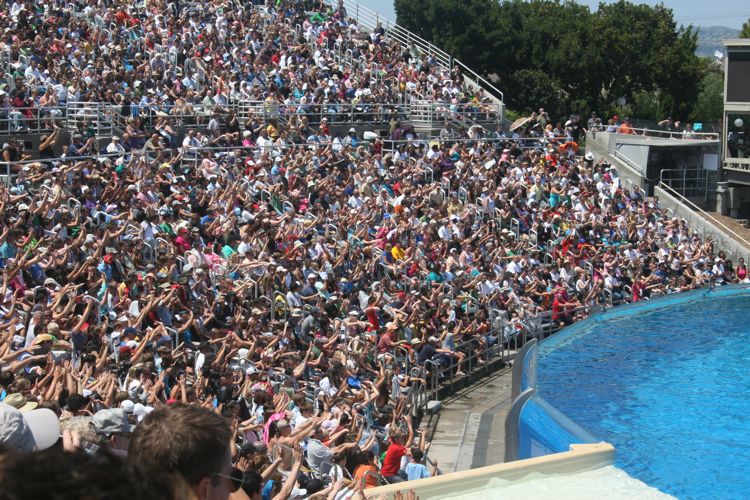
28,431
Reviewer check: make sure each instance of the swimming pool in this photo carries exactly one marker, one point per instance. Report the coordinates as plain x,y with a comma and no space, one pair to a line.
665,382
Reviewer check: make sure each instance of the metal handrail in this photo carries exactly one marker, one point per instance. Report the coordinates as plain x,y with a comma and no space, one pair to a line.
701,180
703,213
630,163
480,80
365,16
406,37
656,134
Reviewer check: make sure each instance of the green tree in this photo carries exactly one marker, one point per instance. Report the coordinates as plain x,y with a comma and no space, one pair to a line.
591,58
529,89
745,31
462,29
643,50
709,107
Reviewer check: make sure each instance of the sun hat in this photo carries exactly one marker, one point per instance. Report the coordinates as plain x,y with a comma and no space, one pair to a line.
19,402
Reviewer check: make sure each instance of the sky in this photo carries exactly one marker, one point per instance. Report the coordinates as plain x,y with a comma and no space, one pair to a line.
729,13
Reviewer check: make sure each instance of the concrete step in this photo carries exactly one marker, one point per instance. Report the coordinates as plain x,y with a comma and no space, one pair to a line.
471,429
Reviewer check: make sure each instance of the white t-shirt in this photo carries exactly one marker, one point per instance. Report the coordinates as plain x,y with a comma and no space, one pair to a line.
328,388
148,230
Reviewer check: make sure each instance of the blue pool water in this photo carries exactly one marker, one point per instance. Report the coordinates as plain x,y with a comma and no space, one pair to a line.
668,387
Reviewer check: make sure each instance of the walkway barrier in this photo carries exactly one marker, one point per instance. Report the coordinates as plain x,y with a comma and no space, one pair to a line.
662,133
31,119
725,237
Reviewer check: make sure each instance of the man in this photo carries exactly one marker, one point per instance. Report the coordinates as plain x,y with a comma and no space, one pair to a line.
351,138
388,341
318,452
626,128
115,146
29,430
191,441
113,428
446,133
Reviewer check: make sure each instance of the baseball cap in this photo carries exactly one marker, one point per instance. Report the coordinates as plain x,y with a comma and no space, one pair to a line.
127,405
31,430
111,421
140,411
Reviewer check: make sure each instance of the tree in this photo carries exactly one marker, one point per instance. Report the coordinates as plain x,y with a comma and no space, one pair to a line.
745,31
589,58
463,29
709,107
529,89
643,50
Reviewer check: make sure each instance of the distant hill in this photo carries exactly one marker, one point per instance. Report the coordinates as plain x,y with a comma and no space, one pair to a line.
710,37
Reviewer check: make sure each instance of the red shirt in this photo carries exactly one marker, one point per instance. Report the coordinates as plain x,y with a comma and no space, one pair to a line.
386,343
392,460
557,309
637,289
372,317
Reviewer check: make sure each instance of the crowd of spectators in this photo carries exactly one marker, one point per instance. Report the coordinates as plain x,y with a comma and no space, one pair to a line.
162,65
264,317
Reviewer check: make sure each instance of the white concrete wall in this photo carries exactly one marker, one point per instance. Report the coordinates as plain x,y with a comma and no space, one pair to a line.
637,154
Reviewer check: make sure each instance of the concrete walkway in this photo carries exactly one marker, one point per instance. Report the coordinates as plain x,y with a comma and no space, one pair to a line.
470,431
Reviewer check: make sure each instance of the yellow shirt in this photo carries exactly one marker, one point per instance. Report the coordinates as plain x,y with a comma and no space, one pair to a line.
272,131
397,253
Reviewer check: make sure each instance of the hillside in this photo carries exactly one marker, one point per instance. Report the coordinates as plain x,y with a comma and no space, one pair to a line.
710,37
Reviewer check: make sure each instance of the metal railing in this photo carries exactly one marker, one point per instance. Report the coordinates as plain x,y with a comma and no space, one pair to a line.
659,134
689,182
30,119
478,80
369,20
707,216
434,113
335,113
98,115
638,169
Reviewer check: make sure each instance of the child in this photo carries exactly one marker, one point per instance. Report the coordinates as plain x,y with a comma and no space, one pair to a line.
416,469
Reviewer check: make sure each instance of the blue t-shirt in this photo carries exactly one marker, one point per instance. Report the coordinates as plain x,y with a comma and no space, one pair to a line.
416,471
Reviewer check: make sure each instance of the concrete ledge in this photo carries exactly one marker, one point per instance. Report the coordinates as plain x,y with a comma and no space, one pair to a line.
697,221
581,457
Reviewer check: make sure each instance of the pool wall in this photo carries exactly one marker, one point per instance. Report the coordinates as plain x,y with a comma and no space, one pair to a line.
533,427
578,459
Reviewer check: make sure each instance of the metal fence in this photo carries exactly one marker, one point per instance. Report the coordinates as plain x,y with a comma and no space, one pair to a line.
31,119
657,133
689,182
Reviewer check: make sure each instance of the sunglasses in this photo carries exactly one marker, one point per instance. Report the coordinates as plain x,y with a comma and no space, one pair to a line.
236,478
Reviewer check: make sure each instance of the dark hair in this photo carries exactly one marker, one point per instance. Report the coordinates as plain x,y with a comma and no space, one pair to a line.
6,378
252,483
185,439
82,475
76,402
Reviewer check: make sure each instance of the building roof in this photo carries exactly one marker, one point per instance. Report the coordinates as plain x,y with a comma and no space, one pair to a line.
736,42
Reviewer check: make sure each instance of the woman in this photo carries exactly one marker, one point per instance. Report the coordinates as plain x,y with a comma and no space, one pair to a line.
366,472
165,130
